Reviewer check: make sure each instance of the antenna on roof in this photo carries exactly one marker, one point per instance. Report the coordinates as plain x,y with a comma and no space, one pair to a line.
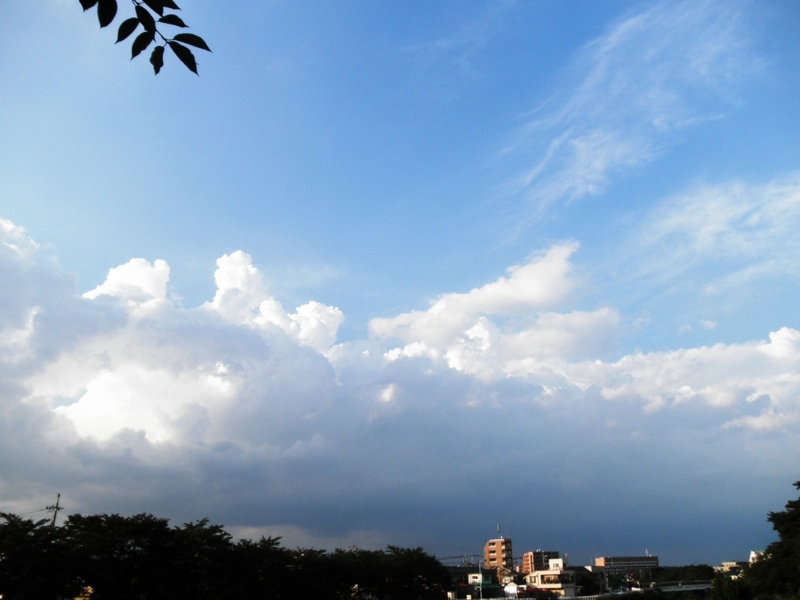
498,531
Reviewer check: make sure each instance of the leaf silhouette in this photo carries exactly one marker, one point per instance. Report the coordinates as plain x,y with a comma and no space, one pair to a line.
170,4
128,27
142,41
106,11
145,18
192,40
185,55
87,4
157,58
172,20
156,5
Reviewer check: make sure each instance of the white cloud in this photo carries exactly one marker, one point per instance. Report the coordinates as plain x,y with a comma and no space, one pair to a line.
388,393
16,240
227,411
766,421
472,333
783,344
140,284
240,288
242,298
175,377
540,283
160,403
731,376
561,350
144,375
316,324
501,328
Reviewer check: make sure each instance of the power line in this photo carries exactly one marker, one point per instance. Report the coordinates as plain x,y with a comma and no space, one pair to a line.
33,512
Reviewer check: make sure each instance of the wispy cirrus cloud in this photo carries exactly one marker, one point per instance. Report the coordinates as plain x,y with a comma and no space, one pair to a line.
702,255
450,62
654,72
734,232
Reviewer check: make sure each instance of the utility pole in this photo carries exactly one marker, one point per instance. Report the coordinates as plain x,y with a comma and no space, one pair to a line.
55,510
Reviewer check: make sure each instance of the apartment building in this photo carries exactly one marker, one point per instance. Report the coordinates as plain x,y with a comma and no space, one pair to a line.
537,560
498,553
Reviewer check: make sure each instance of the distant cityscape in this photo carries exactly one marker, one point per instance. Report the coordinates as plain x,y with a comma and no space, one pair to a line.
499,573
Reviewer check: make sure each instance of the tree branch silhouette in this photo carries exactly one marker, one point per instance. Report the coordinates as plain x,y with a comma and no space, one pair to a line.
150,14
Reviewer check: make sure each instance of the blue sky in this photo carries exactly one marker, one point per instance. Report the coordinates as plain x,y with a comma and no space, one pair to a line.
388,273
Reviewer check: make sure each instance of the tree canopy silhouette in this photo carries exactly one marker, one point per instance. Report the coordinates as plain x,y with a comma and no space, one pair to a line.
775,575
142,557
150,14
777,572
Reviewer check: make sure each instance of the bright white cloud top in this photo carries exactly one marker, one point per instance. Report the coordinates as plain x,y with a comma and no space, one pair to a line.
242,298
539,265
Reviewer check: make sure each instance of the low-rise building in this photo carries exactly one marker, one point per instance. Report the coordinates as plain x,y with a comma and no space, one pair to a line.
557,578
732,568
590,580
473,581
626,565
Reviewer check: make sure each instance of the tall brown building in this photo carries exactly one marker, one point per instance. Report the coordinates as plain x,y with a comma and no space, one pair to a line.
497,553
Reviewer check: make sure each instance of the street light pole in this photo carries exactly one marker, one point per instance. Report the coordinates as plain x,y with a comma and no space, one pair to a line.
480,579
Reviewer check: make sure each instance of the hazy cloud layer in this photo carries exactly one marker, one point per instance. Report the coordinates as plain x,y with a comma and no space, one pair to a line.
124,400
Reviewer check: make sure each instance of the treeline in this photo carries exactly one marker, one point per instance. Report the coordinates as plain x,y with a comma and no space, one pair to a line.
685,573
143,558
776,574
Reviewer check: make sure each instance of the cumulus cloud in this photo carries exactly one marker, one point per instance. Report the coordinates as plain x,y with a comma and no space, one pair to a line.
16,240
140,284
150,400
242,297
240,288
562,350
243,412
729,376
494,329
540,283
